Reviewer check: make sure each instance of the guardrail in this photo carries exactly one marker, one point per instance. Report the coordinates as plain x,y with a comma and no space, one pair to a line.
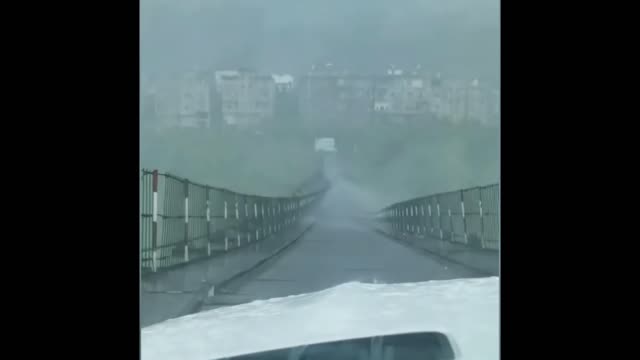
467,216
182,220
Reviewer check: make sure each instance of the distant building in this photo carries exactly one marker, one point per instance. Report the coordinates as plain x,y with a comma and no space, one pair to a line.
356,99
338,99
194,98
318,96
439,104
167,94
399,96
464,101
247,98
283,83
335,99
178,100
286,108
323,97
218,75
456,95
478,103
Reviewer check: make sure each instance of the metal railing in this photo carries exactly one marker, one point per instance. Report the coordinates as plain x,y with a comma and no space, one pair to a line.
468,216
182,221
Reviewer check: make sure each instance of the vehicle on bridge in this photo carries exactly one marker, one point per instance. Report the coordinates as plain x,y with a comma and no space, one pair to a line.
450,319
325,145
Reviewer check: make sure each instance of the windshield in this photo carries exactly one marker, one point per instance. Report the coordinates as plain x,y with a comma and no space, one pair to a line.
323,158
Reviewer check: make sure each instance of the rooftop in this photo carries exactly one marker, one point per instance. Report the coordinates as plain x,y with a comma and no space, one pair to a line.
282,79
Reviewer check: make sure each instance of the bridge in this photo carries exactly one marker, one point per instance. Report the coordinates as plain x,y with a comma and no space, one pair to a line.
204,247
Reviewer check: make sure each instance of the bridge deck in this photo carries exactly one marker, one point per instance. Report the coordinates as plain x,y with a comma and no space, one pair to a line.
338,249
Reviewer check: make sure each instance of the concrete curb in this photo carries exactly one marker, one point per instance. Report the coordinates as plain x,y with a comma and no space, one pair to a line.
450,259
181,292
222,283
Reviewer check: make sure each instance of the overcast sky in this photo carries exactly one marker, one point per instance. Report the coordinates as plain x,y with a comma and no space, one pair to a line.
460,38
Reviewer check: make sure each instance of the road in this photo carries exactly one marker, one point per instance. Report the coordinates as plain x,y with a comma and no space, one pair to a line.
340,248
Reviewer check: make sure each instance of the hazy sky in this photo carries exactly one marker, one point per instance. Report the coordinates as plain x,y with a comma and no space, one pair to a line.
460,38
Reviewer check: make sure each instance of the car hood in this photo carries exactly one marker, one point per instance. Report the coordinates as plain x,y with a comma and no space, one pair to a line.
467,310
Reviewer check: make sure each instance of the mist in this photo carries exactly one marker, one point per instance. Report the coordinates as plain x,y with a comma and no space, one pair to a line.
301,145
456,39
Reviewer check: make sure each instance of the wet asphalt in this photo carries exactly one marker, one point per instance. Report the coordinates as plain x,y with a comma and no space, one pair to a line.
341,247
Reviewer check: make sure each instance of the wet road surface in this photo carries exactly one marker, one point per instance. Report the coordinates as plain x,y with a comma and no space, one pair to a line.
340,248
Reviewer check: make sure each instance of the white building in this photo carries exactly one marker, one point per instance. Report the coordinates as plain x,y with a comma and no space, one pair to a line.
167,102
283,83
401,96
194,101
247,98
465,101
221,75
447,98
483,103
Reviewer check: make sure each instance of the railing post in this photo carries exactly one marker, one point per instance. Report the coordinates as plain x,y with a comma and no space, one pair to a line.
423,221
411,220
451,226
255,212
439,217
246,218
414,214
464,219
237,222
268,223
264,220
154,225
395,219
406,219
186,220
263,225
206,189
392,219
271,216
405,227
481,217
226,216
274,216
403,219
430,217
279,215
